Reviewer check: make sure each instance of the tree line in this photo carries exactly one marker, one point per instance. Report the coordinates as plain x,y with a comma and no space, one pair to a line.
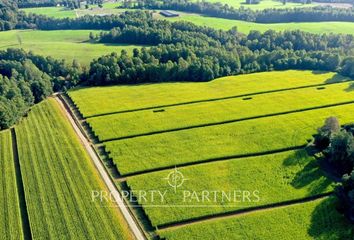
26,79
282,15
334,147
182,51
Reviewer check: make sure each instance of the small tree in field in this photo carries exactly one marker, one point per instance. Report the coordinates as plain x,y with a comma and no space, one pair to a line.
322,138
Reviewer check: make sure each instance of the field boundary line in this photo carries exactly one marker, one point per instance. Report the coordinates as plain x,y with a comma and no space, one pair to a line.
236,213
26,227
229,121
212,99
212,160
129,217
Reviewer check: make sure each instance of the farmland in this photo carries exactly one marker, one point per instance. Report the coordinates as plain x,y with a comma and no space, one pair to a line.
149,121
100,100
264,4
63,44
10,218
312,220
58,178
232,139
278,178
224,135
246,27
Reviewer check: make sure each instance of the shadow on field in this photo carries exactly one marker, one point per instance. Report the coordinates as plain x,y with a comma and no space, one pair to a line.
327,223
350,88
310,174
337,78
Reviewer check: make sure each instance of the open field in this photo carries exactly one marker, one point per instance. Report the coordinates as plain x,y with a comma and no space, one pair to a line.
100,100
62,12
313,220
264,4
204,113
10,218
61,44
232,139
276,178
246,27
57,12
58,179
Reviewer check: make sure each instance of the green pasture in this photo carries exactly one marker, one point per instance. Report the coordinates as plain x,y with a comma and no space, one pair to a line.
312,220
10,217
100,100
57,12
263,4
246,27
269,179
61,44
147,121
233,139
59,178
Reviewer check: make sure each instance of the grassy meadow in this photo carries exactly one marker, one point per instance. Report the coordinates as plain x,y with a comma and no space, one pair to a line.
232,139
10,217
61,44
58,178
263,4
277,178
143,122
246,27
100,100
312,220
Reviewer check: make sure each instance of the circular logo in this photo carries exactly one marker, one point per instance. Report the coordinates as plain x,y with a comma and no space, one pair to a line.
175,179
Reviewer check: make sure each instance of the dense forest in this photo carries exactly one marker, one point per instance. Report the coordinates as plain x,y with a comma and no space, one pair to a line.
313,14
26,79
183,51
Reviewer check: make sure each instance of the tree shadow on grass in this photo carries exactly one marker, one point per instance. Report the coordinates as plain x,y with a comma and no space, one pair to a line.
350,88
310,174
327,223
337,78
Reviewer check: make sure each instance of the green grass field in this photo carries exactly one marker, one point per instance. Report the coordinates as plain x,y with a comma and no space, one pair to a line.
57,12
313,220
277,178
142,122
264,4
246,27
100,100
59,178
10,218
62,12
63,44
199,144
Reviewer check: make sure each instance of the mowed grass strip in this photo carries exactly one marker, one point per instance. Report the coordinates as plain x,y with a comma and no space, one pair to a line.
273,178
312,220
10,217
59,178
184,116
102,100
233,139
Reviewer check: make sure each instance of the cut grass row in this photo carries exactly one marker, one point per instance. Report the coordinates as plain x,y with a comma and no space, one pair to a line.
184,116
313,220
277,178
213,142
103,100
59,178
61,44
10,217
